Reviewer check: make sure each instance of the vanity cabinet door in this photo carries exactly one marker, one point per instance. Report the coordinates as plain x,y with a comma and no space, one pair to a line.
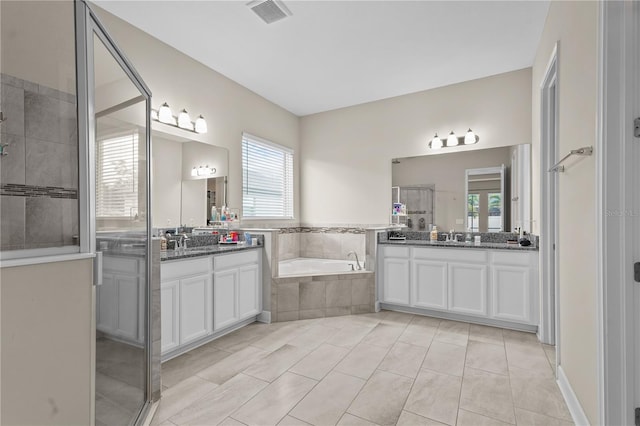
225,297
195,308
396,280
467,288
169,297
511,293
429,284
248,291
106,294
128,296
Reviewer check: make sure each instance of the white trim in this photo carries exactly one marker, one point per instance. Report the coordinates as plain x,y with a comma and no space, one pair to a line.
266,142
614,155
25,261
264,316
548,330
575,409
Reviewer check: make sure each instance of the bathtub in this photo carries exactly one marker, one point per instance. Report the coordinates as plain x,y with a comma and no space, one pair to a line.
303,266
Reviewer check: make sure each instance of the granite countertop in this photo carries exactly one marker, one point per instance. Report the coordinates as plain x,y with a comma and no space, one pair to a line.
483,245
204,251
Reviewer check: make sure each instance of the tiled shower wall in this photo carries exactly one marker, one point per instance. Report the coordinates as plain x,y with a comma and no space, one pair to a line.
39,175
319,242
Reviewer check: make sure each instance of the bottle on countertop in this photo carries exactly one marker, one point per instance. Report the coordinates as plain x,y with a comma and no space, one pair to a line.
163,244
223,213
214,214
434,233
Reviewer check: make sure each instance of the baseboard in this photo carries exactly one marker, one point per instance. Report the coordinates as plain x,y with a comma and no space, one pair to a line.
577,413
265,317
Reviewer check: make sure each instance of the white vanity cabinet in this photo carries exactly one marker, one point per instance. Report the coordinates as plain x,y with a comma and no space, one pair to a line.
120,299
498,286
204,297
237,290
187,304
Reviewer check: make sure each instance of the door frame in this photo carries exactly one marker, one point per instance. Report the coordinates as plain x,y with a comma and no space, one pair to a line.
86,24
617,151
549,185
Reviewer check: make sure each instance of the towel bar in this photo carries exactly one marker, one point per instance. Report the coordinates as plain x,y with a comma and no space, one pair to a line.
586,150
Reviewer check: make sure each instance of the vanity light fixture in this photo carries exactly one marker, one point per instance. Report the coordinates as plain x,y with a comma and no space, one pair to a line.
452,140
436,142
203,171
182,121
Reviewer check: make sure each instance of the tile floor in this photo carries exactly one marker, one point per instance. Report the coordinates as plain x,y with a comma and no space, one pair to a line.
372,369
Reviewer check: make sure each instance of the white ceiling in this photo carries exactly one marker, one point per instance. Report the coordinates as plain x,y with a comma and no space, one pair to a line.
333,54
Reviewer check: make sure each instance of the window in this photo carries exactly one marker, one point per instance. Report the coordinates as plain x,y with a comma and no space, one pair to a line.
473,215
267,179
495,212
117,176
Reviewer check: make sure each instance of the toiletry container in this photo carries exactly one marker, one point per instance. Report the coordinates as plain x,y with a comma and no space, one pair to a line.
434,233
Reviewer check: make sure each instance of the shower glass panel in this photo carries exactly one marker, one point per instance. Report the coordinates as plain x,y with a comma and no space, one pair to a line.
121,224
39,207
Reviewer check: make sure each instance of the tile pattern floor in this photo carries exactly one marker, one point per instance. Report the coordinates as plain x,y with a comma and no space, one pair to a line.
373,369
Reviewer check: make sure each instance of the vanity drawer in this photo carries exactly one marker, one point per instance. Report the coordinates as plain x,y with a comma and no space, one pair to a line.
453,254
231,260
186,267
402,252
505,257
121,264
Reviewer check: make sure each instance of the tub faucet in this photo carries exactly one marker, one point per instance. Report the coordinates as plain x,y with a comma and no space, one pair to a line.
358,267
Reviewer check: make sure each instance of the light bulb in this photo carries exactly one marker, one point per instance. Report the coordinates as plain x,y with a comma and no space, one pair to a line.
201,124
194,172
165,115
470,138
436,142
452,140
184,121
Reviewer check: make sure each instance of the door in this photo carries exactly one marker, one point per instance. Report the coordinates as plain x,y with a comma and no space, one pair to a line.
195,308
429,284
248,291
170,305
467,288
396,280
511,293
117,129
225,296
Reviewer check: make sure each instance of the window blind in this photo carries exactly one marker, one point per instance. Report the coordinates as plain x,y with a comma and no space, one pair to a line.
267,179
117,176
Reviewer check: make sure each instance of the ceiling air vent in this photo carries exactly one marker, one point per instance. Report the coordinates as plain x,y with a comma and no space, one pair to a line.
269,10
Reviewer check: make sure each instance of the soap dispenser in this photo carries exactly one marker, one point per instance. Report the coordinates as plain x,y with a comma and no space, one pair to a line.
434,234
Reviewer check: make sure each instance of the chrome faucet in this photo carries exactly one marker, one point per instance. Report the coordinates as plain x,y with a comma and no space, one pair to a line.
358,266
181,242
456,238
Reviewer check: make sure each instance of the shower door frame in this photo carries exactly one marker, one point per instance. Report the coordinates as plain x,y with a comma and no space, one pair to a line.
88,24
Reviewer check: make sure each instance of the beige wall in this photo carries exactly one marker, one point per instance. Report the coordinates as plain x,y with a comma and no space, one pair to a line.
229,108
47,342
166,175
346,154
574,26
447,173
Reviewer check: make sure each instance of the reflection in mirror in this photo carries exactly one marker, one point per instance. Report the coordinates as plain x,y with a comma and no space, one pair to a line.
485,199
178,197
445,173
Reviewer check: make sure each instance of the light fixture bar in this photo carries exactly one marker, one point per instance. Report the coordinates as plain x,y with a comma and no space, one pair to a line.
452,140
182,121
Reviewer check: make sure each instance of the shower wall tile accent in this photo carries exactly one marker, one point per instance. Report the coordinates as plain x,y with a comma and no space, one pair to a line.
321,242
39,176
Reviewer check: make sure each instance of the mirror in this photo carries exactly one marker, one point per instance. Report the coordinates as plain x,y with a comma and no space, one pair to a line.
441,181
182,194
485,189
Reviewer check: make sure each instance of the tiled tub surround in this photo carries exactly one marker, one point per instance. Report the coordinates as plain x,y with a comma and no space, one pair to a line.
39,176
321,242
329,295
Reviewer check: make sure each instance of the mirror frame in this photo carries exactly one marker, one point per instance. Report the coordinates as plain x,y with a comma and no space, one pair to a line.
482,171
